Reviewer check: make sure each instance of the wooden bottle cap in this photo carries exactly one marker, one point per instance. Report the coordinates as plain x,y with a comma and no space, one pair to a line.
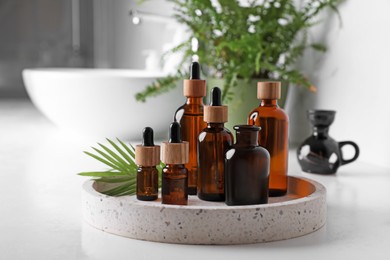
215,114
194,88
147,155
269,90
174,153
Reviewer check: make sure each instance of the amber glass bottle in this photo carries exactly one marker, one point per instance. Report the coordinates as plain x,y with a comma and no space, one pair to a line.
147,156
246,169
190,117
273,135
213,142
174,175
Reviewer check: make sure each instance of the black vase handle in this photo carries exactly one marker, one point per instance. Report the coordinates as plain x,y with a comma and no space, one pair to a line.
357,151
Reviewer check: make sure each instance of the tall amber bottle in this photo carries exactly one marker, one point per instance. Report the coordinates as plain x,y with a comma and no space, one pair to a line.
190,117
213,142
147,156
174,175
274,133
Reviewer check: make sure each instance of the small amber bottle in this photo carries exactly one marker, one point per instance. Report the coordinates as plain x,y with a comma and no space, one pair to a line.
147,156
174,175
273,135
213,142
190,117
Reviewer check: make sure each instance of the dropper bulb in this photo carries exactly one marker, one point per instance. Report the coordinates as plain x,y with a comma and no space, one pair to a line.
216,99
195,70
174,133
148,136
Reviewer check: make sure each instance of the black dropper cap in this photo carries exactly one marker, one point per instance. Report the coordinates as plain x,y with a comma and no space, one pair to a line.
195,70
174,133
148,136
216,99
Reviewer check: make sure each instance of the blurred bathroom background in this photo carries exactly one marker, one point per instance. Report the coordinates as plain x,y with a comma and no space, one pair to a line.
79,33
351,77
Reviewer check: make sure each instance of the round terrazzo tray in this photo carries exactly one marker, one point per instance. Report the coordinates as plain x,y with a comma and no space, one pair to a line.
300,212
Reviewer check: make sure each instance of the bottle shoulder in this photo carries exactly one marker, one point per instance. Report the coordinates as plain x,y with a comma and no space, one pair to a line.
268,112
188,110
174,168
246,151
152,169
210,133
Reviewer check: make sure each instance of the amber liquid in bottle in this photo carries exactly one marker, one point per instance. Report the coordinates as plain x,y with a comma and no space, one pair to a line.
147,183
190,117
273,137
214,141
174,184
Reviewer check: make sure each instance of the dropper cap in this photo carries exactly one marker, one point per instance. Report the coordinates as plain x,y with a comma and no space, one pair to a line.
147,154
269,90
175,151
194,86
215,112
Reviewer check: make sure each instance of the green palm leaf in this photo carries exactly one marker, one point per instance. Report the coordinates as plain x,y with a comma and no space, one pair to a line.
122,168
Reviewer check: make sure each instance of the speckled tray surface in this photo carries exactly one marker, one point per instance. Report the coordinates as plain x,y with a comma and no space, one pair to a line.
300,212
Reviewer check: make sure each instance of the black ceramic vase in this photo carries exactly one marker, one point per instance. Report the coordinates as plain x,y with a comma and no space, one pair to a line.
320,153
246,169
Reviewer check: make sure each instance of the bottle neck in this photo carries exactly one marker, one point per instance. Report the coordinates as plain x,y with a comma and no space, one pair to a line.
269,103
177,166
215,125
146,167
247,138
194,101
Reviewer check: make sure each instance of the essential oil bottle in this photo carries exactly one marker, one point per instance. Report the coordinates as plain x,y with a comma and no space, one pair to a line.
273,135
246,169
175,174
213,142
147,156
190,117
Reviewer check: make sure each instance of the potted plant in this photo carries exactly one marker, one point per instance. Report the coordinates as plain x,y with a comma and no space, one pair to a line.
241,42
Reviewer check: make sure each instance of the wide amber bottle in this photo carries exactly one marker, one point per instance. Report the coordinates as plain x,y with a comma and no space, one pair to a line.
273,135
246,169
174,175
213,142
190,117
147,156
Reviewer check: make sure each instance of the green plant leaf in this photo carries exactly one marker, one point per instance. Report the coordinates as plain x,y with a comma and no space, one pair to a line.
111,179
123,171
318,47
103,174
112,165
115,157
120,189
123,153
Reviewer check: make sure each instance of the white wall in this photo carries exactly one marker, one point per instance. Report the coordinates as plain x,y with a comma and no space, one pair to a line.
121,44
353,77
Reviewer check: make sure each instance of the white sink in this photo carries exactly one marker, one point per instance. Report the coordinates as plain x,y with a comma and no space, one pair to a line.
101,102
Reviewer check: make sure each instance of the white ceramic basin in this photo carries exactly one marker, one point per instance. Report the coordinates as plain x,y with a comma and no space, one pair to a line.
101,102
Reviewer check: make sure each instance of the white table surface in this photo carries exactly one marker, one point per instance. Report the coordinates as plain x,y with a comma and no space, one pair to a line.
40,206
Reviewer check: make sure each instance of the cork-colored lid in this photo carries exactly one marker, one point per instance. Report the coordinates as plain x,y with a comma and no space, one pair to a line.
215,114
147,155
174,153
194,88
269,90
